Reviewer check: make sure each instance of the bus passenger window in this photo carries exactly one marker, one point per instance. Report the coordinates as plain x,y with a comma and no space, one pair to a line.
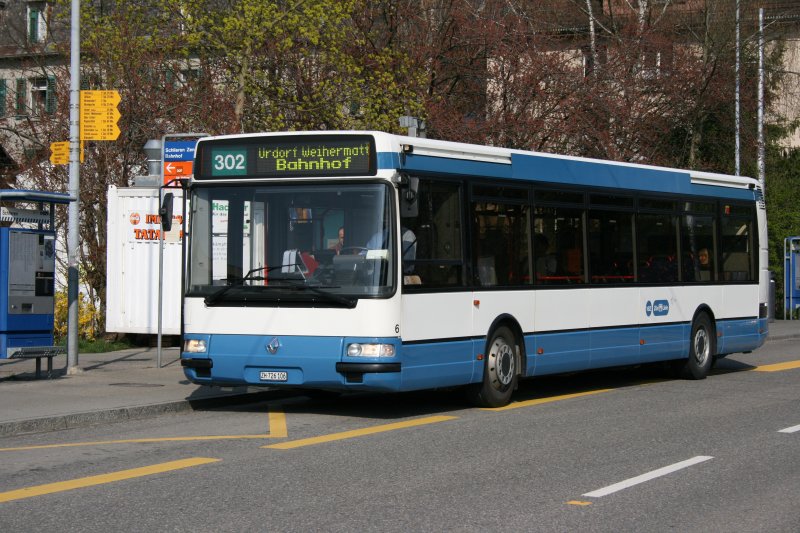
657,248
558,250
610,246
502,244
697,248
736,249
432,240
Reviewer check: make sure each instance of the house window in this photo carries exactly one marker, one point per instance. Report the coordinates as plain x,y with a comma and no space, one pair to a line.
40,99
38,95
20,97
37,22
3,94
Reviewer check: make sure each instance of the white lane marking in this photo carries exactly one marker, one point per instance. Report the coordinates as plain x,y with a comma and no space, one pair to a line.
646,477
793,429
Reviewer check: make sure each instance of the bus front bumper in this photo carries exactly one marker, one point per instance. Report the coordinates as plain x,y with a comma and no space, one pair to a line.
309,362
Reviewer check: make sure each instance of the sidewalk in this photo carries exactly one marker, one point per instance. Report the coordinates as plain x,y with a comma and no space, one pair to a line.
111,386
128,384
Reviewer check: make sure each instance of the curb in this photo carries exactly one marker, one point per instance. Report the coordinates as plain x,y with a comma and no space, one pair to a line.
121,414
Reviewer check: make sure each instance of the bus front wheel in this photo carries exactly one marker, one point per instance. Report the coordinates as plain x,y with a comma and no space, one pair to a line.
702,346
500,371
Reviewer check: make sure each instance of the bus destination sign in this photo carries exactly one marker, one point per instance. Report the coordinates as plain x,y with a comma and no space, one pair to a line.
273,157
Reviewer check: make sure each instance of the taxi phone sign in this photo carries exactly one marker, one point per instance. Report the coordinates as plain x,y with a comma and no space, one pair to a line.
59,153
178,155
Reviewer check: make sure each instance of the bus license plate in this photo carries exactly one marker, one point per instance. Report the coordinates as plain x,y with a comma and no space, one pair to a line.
274,376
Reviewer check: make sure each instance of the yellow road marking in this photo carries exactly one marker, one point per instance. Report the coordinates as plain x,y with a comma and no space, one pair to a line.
777,367
277,427
61,486
538,401
578,502
359,432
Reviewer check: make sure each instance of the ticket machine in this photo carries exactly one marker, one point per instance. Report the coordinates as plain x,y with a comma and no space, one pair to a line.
791,275
27,273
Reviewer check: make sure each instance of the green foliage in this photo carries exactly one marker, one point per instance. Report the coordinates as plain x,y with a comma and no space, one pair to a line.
302,65
89,321
783,208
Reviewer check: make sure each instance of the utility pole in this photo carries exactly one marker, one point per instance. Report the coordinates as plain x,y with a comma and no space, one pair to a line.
761,162
73,223
738,98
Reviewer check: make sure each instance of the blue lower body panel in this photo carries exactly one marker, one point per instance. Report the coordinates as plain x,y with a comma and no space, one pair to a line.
322,362
741,335
660,343
440,364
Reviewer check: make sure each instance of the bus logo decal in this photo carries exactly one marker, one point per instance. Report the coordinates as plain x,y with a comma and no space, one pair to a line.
657,308
273,345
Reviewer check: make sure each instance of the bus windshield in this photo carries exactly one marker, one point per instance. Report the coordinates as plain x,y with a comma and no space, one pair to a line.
291,245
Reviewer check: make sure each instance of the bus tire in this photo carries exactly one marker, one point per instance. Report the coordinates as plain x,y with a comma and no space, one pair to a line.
500,371
702,345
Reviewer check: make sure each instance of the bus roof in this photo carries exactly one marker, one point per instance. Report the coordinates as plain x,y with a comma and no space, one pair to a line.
416,154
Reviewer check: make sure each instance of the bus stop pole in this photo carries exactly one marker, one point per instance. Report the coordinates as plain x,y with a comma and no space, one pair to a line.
160,275
73,225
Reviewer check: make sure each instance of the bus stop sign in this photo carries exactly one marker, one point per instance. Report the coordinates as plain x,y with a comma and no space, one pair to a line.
178,156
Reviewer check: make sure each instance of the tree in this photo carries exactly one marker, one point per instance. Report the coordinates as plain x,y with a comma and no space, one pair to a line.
321,64
163,89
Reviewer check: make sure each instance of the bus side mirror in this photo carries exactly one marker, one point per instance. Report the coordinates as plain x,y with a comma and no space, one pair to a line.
165,212
409,205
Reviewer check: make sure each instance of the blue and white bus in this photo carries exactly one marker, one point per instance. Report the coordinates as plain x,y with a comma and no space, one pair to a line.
365,261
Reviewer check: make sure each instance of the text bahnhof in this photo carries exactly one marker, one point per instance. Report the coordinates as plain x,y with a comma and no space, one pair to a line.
314,158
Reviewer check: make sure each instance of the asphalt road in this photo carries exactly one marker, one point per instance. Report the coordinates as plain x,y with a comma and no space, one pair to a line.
621,450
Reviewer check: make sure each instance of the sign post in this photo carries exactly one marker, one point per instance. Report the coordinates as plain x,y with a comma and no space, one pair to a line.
73,217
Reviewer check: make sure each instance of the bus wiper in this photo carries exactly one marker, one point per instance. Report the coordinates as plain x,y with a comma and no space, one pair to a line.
332,297
211,299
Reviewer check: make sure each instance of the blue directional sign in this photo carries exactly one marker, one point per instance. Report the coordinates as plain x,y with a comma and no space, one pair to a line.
179,150
178,156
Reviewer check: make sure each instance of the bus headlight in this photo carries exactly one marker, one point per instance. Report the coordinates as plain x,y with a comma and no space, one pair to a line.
357,349
194,346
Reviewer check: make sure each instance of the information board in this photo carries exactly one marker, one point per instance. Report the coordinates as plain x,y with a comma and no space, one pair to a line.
271,157
99,115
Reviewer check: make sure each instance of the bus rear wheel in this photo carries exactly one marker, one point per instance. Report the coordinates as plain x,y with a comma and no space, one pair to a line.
500,371
702,347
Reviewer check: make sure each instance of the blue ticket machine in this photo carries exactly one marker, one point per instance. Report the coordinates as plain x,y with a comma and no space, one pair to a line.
27,273
791,275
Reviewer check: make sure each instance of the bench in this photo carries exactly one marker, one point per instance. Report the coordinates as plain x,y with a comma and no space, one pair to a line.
38,352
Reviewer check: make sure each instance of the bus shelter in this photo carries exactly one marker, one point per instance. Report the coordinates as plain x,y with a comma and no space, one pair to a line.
27,274
791,276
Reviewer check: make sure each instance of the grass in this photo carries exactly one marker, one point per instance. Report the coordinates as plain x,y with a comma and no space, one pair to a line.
98,345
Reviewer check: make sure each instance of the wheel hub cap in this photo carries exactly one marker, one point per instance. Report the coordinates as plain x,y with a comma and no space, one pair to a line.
701,346
503,366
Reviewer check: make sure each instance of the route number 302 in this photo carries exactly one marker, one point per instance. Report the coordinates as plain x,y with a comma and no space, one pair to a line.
228,162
